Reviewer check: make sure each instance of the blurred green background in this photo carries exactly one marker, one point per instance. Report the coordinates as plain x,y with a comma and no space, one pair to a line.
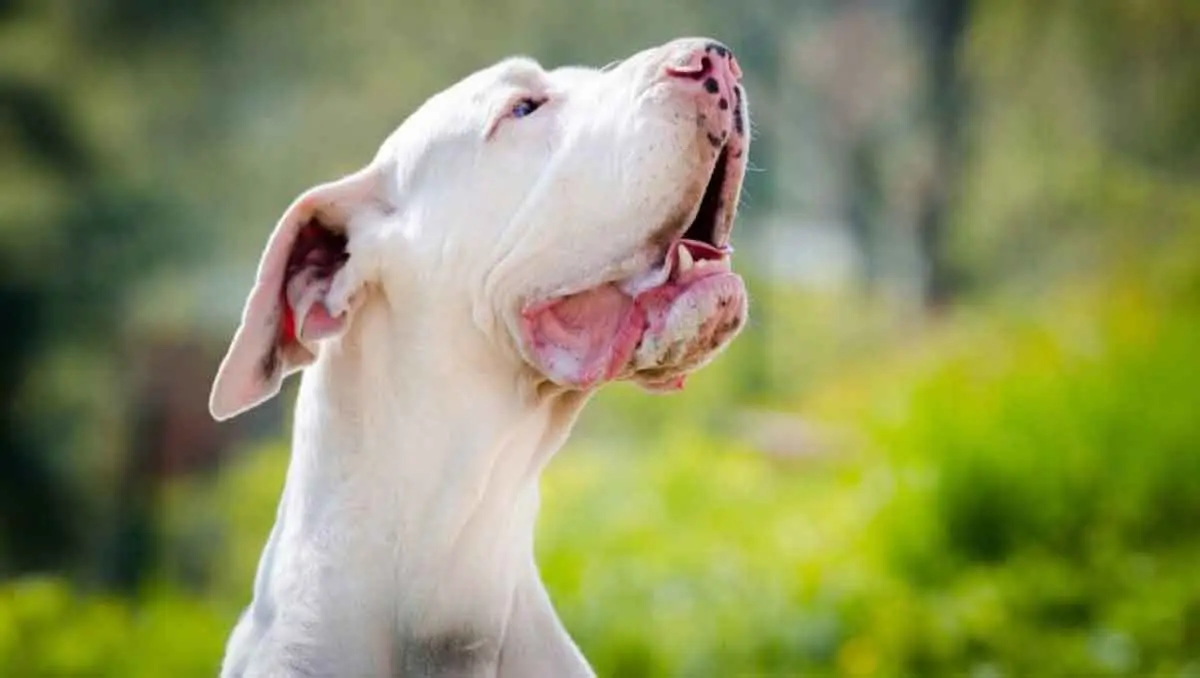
961,436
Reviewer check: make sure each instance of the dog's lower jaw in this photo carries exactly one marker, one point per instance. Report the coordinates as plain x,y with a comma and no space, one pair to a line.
403,544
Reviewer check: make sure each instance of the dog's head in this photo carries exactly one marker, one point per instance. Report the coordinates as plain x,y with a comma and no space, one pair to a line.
578,218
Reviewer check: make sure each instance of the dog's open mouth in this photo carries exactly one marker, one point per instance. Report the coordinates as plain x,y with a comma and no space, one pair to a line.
703,248
660,324
703,229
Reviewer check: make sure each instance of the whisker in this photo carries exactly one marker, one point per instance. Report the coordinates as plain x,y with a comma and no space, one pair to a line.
753,129
744,197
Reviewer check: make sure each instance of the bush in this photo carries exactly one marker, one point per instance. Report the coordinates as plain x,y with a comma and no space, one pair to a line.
49,629
1045,483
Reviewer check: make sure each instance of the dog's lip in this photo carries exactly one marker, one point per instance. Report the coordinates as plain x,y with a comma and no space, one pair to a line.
682,257
731,163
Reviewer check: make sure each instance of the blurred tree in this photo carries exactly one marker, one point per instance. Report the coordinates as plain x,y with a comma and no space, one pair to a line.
1083,150
35,505
940,26
1148,78
75,249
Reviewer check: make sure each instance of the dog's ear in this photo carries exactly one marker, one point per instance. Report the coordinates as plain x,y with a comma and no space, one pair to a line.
303,292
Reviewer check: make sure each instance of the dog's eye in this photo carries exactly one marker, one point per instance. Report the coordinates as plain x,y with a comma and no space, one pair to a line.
525,107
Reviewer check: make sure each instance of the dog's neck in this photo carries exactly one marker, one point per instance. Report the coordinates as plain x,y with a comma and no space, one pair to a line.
416,465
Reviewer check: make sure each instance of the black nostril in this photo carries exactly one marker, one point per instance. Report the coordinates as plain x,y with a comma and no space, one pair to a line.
693,70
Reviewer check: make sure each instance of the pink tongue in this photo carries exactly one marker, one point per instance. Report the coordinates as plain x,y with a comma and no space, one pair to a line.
585,337
591,336
703,250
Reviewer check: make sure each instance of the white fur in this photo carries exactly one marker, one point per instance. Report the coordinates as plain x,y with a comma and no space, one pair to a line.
403,543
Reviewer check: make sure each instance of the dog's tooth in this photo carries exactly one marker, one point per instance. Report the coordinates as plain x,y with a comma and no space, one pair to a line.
685,259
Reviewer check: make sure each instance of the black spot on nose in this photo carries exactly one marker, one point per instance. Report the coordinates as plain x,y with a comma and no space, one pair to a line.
711,86
717,47
714,140
739,124
723,103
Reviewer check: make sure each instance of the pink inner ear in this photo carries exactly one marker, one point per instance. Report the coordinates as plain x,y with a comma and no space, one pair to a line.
317,255
286,304
584,338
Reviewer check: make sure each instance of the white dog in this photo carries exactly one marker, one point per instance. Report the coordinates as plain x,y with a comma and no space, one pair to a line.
522,238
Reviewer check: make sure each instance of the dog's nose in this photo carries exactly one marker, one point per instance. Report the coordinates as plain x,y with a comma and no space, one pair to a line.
707,62
707,74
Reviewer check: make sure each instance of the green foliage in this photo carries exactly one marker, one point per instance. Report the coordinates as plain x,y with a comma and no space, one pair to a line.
80,234
47,629
1084,147
1050,468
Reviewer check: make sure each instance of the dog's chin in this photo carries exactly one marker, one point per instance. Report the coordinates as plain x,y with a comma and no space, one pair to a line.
689,321
651,334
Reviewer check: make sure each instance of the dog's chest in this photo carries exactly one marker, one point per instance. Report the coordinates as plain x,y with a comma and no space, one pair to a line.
453,653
